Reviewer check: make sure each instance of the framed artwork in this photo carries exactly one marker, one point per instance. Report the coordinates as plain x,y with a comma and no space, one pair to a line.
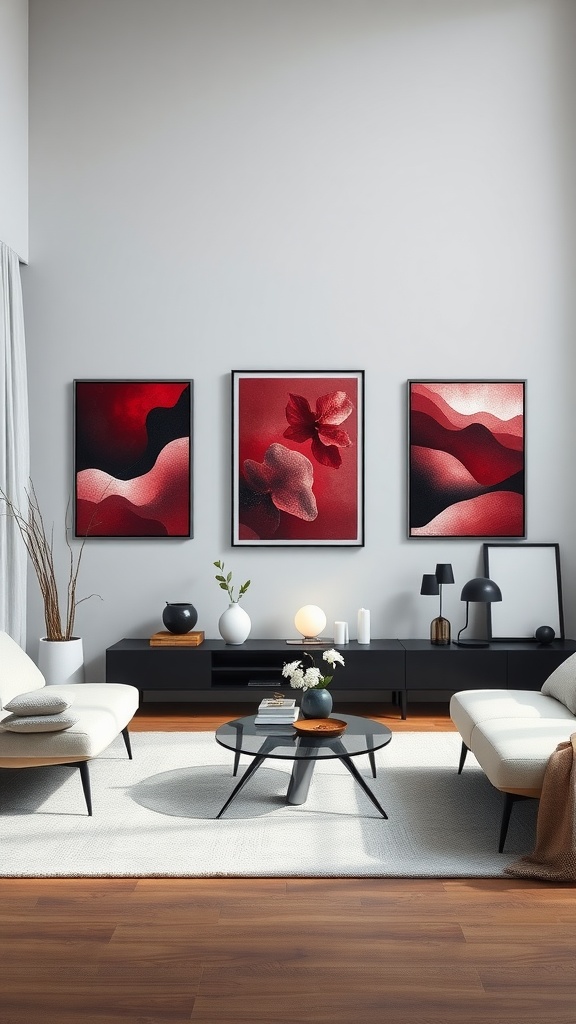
133,458
529,577
297,458
467,458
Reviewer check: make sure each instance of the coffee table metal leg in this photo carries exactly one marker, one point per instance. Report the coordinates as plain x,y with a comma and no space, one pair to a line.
252,767
356,775
239,736
372,760
300,780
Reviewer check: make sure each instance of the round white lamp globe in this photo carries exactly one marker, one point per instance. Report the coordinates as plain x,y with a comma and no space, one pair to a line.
310,621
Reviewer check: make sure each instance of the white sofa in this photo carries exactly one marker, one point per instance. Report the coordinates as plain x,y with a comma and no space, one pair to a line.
512,733
102,710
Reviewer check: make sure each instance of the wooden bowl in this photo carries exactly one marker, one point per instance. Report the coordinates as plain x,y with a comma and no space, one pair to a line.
320,726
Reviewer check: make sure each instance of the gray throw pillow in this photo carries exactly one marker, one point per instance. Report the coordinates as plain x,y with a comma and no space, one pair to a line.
38,702
40,723
561,684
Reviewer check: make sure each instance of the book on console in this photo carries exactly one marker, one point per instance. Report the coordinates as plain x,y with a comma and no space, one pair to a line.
166,639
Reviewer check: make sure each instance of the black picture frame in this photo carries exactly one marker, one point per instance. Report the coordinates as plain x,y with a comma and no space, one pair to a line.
530,579
466,459
133,442
297,458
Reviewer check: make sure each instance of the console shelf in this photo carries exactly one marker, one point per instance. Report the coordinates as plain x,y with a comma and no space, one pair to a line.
383,669
246,673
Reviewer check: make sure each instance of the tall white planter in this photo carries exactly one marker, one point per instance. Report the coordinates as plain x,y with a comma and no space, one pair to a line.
234,624
61,661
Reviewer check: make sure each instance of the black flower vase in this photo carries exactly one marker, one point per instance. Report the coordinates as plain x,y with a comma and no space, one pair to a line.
316,703
179,616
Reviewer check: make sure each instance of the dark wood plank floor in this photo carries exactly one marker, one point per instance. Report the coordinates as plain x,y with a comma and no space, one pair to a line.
286,951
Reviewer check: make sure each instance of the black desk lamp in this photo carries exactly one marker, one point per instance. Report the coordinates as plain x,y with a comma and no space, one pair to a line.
481,590
432,583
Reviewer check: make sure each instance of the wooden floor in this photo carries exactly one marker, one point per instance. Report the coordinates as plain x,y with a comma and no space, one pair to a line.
286,951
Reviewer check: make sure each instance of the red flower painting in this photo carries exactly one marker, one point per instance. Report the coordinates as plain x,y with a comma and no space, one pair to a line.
322,427
467,459
298,458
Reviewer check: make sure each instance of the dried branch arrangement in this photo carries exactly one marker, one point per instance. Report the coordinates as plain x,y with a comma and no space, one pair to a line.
39,545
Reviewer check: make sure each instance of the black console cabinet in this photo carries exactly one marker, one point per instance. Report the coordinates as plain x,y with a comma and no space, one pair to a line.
516,665
222,673
219,672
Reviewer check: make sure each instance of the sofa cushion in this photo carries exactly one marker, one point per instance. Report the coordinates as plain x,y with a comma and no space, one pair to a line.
470,708
38,702
561,684
103,710
38,723
18,673
514,754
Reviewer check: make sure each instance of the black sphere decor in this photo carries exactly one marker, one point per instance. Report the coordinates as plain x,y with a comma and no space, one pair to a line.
544,634
179,616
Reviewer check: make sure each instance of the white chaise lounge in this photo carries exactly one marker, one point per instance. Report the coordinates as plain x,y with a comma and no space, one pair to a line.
512,733
101,711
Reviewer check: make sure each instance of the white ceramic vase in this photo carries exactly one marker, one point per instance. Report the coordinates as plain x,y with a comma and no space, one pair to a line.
234,624
61,661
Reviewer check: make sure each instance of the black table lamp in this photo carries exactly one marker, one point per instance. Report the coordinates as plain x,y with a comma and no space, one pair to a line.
432,583
480,590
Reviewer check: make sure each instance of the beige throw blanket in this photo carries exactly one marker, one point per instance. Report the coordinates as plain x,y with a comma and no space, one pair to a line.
554,857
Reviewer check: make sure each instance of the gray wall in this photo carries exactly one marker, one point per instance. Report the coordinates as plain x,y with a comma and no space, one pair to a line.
243,184
14,125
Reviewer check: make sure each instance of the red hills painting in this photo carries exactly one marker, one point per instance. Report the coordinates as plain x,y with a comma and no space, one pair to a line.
467,459
133,458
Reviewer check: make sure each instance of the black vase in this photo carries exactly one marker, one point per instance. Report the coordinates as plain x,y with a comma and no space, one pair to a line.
545,634
316,703
179,616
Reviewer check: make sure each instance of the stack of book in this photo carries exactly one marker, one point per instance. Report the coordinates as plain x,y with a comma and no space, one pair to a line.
166,639
276,711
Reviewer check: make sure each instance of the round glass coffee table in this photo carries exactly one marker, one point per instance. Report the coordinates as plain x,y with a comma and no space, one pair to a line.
243,736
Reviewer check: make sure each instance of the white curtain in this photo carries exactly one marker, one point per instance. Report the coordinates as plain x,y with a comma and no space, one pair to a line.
14,445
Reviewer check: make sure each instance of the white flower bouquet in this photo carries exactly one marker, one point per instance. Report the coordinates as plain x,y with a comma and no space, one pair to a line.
311,678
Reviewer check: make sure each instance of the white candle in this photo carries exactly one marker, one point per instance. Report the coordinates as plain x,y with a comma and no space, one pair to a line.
363,626
340,632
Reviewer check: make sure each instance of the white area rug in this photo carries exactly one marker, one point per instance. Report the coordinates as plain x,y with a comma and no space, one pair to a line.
155,815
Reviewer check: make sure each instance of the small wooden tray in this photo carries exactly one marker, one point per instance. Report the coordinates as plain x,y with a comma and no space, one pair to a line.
320,726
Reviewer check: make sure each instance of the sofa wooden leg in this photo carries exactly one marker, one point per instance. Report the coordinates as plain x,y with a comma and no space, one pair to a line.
85,776
126,736
463,753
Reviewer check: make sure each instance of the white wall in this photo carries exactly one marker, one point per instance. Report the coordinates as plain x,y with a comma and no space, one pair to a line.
243,184
14,125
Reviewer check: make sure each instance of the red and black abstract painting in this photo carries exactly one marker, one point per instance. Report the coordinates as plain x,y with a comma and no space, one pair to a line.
467,458
298,458
132,454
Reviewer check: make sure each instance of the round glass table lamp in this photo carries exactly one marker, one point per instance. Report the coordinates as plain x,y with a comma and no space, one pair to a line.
310,621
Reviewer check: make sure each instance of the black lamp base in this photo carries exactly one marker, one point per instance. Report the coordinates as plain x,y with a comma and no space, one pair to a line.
471,643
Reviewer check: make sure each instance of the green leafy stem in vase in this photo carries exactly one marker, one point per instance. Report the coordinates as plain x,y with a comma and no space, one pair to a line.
311,678
225,583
